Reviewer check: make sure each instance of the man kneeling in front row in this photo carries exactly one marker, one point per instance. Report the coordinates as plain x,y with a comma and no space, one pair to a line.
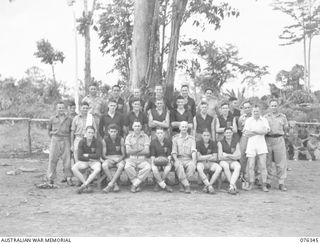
113,153
207,160
160,152
137,146
89,153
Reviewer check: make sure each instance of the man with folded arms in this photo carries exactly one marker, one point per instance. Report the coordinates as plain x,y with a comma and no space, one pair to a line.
255,129
184,154
137,147
207,151
89,153
113,153
160,152
203,121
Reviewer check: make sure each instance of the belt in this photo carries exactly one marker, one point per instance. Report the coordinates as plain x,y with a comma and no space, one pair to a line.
274,135
137,156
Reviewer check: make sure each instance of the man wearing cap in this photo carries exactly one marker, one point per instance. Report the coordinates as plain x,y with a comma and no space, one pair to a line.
276,145
137,147
184,154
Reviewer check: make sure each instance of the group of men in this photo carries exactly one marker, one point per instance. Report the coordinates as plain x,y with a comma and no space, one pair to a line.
218,141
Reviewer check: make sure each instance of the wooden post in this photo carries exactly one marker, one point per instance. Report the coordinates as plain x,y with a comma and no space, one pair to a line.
29,136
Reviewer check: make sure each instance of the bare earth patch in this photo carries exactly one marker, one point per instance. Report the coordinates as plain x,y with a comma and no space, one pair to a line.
28,211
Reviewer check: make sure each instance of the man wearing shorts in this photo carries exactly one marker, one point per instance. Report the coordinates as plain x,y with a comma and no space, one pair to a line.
229,156
160,152
113,153
137,147
89,153
207,151
255,128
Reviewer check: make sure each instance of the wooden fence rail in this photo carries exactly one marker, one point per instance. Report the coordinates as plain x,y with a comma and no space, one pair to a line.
29,120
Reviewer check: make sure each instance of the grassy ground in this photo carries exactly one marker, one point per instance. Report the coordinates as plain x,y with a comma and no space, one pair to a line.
28,211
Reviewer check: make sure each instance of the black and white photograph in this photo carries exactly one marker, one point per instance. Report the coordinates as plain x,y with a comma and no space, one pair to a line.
159,118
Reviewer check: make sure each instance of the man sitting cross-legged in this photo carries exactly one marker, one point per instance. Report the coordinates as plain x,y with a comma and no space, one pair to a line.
160,152
207,151
113,153
137,147
89,153
184,154
229,154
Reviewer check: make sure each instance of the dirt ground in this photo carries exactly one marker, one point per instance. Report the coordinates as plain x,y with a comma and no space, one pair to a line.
28,211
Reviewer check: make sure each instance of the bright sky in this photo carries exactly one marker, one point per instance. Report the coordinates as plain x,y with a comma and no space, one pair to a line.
255,33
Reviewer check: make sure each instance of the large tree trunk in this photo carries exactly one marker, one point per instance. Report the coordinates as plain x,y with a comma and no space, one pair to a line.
145,38
178,9
87,65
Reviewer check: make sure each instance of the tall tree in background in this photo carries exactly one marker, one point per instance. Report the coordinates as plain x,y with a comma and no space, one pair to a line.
306,16
144,43
115,27
215,66
85,23
160,49
49,55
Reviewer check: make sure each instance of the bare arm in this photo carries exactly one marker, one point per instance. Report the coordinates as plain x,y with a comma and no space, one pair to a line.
218,129
104,149
234,125
237,154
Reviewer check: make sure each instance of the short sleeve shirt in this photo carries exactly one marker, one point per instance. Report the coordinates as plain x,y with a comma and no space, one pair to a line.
79,125
277,123
211,149
158,150
96,105
136,142
183,147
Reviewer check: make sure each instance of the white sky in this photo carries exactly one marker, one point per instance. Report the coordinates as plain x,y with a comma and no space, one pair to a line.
255,32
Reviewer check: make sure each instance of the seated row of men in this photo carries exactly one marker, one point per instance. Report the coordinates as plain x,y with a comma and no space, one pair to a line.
132,155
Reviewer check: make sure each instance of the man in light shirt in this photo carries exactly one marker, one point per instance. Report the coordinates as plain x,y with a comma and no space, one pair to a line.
255,128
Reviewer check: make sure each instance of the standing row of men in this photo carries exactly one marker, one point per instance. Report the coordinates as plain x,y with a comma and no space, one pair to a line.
210,139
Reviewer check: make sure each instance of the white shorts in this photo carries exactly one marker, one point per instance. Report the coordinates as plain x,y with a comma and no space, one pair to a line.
256,145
